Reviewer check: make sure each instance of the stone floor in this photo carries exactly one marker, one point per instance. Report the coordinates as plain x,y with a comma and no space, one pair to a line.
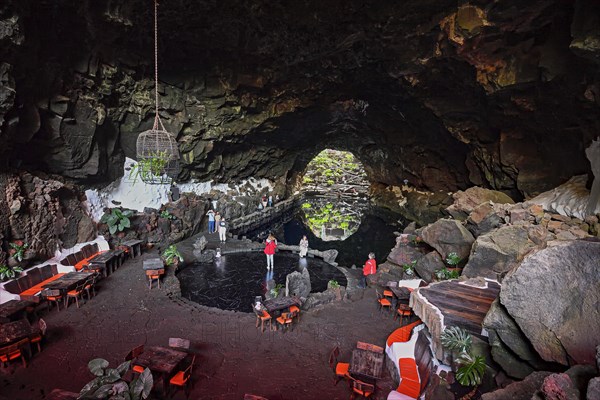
234,357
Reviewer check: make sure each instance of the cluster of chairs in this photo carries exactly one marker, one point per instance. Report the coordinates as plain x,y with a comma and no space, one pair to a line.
17,350
88,287
182,379
341,370
387,301
285,320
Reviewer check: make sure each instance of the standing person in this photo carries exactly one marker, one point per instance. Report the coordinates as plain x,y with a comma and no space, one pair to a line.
211,221
270,201
303,246
270,246
277,198
217,220
369,268
264,201
223,230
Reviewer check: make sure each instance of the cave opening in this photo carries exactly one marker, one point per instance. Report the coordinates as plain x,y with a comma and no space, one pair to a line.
335,188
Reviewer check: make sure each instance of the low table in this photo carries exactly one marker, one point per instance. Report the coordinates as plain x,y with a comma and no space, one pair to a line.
401,292
134,247
14,310
162,360
366,365
104,261
153,263
15,331
281,303
68,281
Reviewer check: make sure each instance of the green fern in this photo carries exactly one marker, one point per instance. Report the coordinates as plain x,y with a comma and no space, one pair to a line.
471,370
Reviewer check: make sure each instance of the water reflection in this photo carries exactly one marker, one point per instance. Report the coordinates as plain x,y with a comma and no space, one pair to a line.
333,218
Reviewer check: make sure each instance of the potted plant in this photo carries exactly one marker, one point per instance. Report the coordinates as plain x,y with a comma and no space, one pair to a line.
109,383
172,256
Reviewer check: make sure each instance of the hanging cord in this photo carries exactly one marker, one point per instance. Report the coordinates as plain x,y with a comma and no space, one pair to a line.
157,120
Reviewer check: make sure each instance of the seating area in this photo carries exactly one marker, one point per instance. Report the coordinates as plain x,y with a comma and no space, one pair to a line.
30,285
80,259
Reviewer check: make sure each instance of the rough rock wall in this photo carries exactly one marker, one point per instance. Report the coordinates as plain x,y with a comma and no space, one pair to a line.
43,212
500,94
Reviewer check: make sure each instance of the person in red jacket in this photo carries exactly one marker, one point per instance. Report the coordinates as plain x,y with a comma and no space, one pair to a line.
270,246
369,268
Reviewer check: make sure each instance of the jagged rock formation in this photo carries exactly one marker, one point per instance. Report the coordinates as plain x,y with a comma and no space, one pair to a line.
498,94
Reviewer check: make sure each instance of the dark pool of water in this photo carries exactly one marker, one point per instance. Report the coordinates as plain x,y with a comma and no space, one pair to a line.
232,282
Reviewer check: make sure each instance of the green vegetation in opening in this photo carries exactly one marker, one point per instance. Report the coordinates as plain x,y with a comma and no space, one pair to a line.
171,254
333,167
117,220
333,284
327,215
471,368
109,383
7,272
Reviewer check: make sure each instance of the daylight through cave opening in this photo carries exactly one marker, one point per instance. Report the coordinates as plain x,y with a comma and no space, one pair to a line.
335,186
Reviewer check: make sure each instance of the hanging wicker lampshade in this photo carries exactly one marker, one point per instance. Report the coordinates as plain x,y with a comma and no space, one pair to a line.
156,149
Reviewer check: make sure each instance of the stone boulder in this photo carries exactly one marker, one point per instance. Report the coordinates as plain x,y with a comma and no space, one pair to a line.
465,202
206,256
329,256
446,236
510,348
497,252
554,297
484,218
593,389
559,387
403,254
200,243
298,284
523,390
428,264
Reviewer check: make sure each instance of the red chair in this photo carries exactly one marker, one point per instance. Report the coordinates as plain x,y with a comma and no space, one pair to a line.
383,302
37,338
362,388
263,316
296,310
134,354
403,310
181,378
14,352
340,369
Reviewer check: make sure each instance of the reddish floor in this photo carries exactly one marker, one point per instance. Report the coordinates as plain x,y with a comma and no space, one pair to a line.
234,357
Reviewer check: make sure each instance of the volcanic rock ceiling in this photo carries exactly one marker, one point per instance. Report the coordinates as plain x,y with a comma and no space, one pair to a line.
447,94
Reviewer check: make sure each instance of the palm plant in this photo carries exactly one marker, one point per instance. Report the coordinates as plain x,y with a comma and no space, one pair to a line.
19,250
471,370
456,339
7,272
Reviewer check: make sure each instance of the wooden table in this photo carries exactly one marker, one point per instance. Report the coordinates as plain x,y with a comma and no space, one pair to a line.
401,292
14,310
281,303
366,365
134,247
104,261
162,360
68,281
153,263
15,331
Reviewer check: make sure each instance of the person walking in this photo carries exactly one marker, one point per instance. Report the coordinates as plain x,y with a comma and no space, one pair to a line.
270,246
303,246
217,220
270,201
369,268
211,221
223,230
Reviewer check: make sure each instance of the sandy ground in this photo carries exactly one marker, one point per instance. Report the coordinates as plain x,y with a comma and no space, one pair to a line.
234,357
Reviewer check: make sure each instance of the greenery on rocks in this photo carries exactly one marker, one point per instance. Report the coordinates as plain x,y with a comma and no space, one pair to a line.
453,259
7,272
333,284
445,274
19,250
109,383
166,215
117,220
171,254
333,167
409,268
277,289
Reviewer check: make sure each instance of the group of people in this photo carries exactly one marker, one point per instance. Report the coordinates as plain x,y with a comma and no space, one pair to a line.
217,223
267,201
